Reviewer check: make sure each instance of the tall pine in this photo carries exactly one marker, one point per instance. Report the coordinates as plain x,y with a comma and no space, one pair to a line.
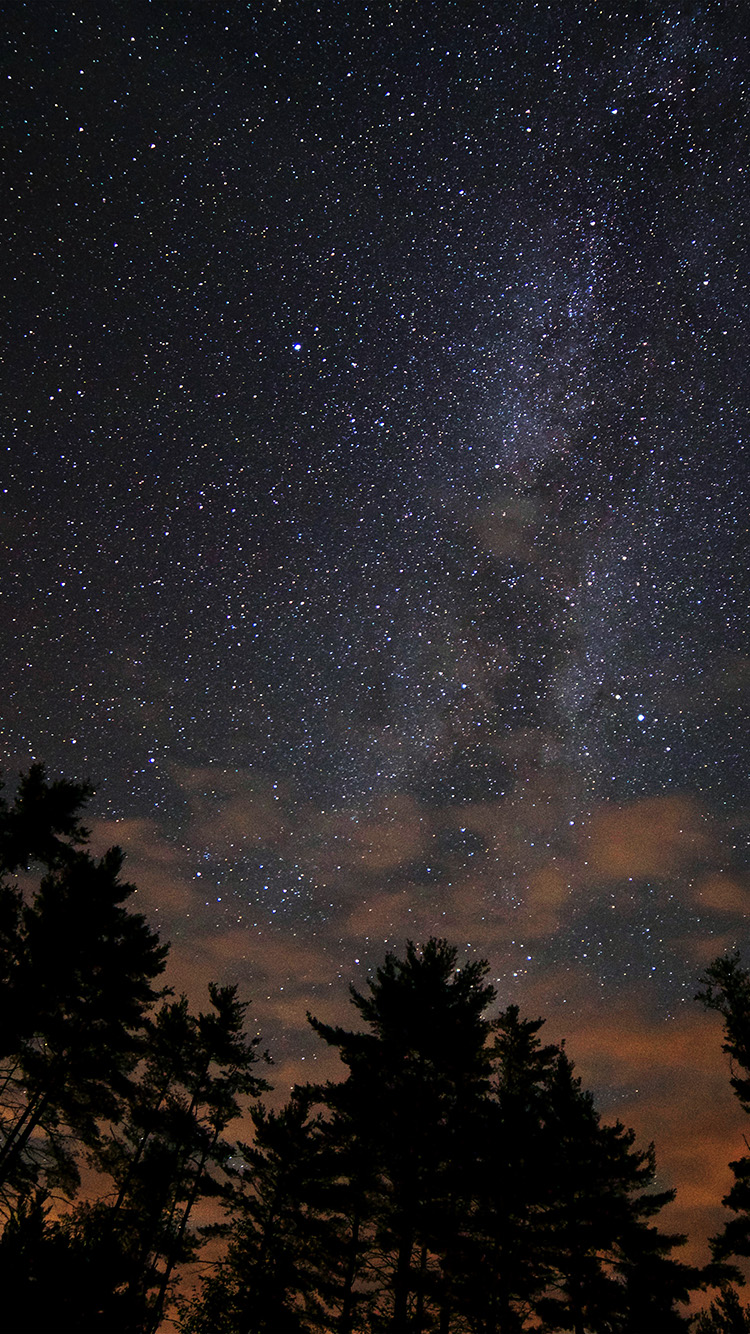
76,985
726,989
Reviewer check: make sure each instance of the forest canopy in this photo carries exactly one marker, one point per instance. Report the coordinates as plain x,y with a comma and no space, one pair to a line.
457,1177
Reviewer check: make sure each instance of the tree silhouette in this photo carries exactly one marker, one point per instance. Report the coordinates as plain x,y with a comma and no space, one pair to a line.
76,987
726,1315
506,1261
457,1179
726,989
42,823
77,973
273,1276
169,1151
560,1230
90,1075
424,1067
610,1267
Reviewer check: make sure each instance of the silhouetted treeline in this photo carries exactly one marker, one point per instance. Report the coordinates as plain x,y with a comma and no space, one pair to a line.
104,1071
457,1178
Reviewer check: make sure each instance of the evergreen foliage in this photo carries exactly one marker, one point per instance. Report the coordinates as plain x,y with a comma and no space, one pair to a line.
726,989
76,985
726,1315
95,1072
458,1179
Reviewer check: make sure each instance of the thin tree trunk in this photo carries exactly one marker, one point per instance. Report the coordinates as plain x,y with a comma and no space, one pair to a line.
144,1140
8,1078
174,1250
402,1284
420,1288
346,1319
22,1131
444,1318
576,1307
180,1159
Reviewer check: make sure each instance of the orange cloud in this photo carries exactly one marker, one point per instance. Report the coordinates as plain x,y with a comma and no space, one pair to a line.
657,837
396,833
231,809
723,893
158,868
547,898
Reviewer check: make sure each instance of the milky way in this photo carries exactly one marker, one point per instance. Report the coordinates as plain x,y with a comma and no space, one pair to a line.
376,489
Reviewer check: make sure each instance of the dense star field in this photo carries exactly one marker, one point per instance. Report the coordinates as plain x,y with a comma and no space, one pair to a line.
375,502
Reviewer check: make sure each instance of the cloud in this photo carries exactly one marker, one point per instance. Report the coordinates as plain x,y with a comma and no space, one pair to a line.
656,837
158,867
723,893
232,810
394,834
502,879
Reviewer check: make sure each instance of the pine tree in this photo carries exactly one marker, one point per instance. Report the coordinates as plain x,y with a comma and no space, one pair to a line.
270,1281
726,989
76,983
40,826
355,1189
448,1183
610,1268
77,970
416,1080
169,1152
725,1315
505,1262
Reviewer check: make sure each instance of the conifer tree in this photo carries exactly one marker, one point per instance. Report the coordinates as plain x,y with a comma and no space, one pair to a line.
609,1267
77,973
417,1078
725,1315
271,1279
76,985
169,1152
448,1183
506,1259
726,989
355,1189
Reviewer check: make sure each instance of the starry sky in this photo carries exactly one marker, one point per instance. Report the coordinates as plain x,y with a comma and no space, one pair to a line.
375,496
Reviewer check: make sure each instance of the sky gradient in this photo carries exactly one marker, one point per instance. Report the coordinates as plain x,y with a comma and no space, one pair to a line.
375,504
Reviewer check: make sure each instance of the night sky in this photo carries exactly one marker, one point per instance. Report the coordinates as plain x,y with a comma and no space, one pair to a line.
375,522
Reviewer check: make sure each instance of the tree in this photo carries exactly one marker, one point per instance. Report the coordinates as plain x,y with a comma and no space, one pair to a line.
609,1268
76,985
90,1074
726,989
270,1281
415,1084
450,1182
355,1190
504,1263
77,970
559,1230
41,825
169,1152
726,1315
106,1265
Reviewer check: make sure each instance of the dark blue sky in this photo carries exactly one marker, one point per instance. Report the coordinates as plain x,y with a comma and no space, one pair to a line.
375,486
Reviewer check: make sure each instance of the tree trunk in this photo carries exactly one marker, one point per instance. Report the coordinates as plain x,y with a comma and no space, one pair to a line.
420,1288
21,1132
171,1258
346,1319
402,1284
